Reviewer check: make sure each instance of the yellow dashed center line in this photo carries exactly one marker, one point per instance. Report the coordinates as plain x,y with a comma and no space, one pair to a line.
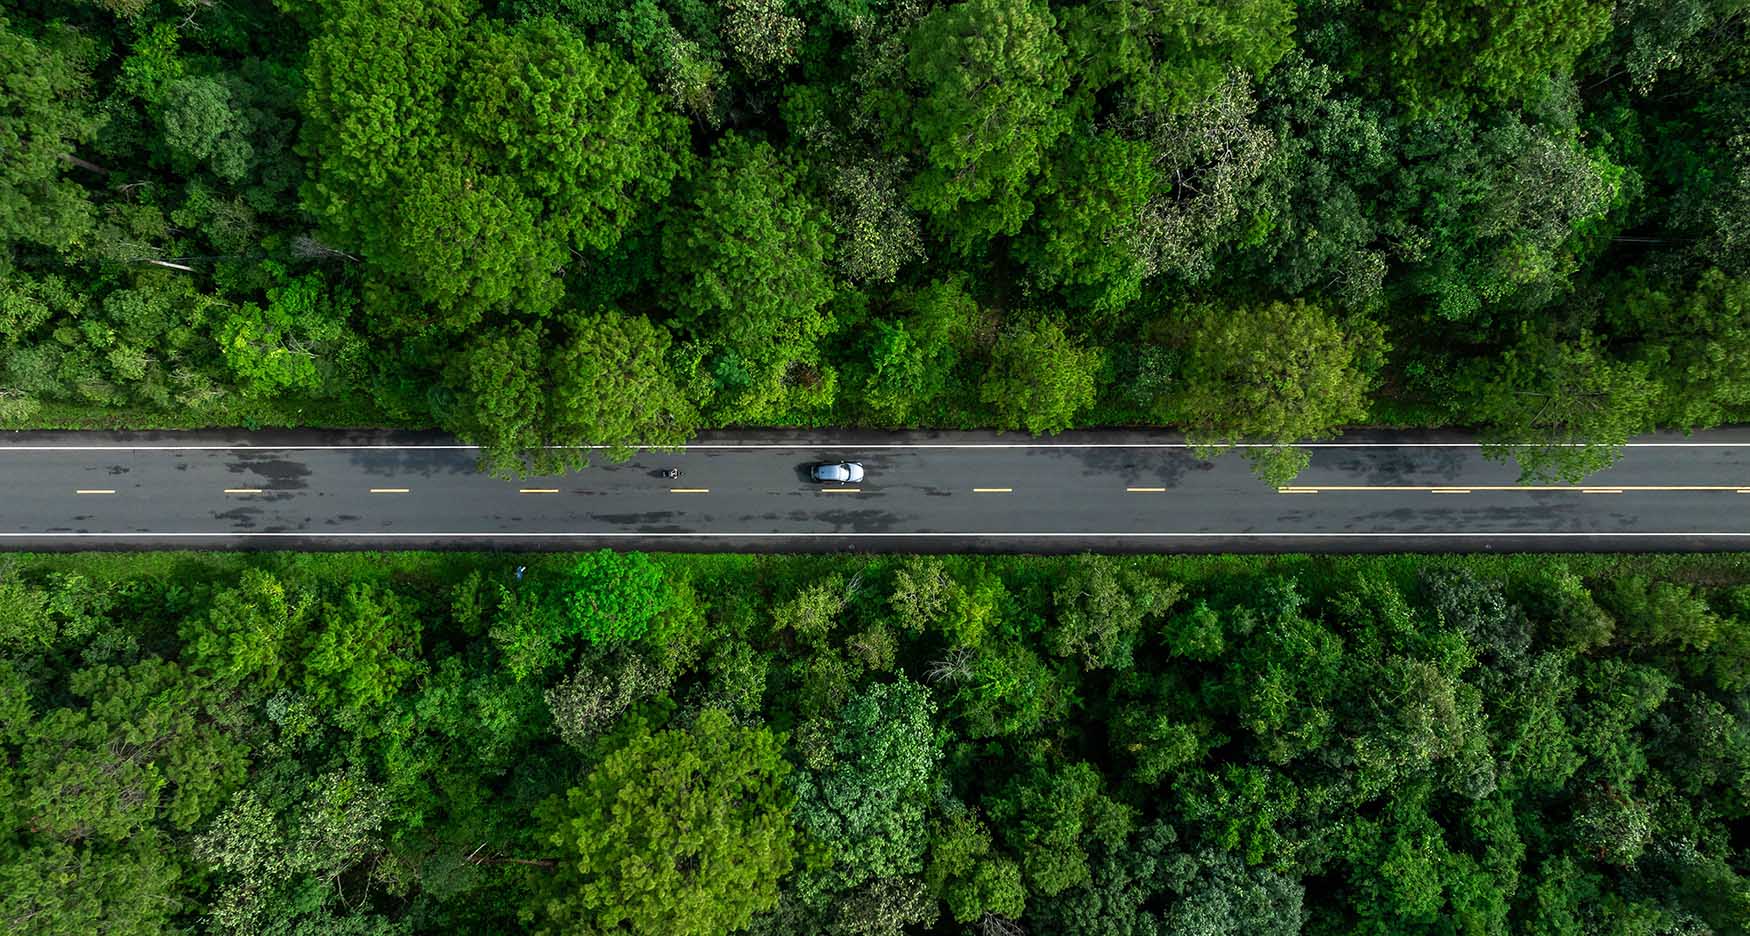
993,490
95,491
689,490
243,490
841,490
388,490
1146,490
538,491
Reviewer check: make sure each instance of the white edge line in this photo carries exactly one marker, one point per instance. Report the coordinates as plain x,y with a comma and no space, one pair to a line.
814,446
922,535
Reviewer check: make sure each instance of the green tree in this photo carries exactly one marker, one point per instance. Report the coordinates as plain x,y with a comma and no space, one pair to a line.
989,78
1220,895
466,160
1694,343
145,748
966,872
58,889
292,343
574,125
615,596
1490,215
1101,609
911,361
611,387
865,801
1050,817
1084,236
1039,379
746,258
366,649
1170,54
1279,373
375,107
250,633
501,399
1209,157
44,115
1560,409
1459,55
679,831
281,871
201,126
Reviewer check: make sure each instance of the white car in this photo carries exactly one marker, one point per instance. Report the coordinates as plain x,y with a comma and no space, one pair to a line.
841,472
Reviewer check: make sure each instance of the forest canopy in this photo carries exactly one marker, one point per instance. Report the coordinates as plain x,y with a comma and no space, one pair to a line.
571,222
614,743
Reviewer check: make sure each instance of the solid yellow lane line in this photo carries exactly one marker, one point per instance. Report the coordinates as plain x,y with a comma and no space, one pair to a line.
95,491
993,490
1295,490
1450,491
1146,490
689,490
243,490
537,490
1602,491
388,490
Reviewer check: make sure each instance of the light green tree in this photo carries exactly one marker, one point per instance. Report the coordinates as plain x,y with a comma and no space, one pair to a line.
989,78
1279,373
678,832
746,255
1169,54
1039,379
1561,410
1459,55
612,387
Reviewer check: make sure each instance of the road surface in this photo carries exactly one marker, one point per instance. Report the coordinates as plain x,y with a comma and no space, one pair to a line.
924,491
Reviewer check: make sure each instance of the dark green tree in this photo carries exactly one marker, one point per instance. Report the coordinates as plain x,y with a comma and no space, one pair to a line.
45,113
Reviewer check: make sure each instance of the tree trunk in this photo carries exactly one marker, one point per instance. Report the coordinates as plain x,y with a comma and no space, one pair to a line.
85,164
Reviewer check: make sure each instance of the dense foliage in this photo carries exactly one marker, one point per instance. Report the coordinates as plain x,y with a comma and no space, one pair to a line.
576,221
621,744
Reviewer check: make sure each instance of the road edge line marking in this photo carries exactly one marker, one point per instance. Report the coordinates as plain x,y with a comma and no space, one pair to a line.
926,534
290,447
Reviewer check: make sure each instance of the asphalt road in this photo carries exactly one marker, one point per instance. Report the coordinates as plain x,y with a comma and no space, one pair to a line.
924,491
